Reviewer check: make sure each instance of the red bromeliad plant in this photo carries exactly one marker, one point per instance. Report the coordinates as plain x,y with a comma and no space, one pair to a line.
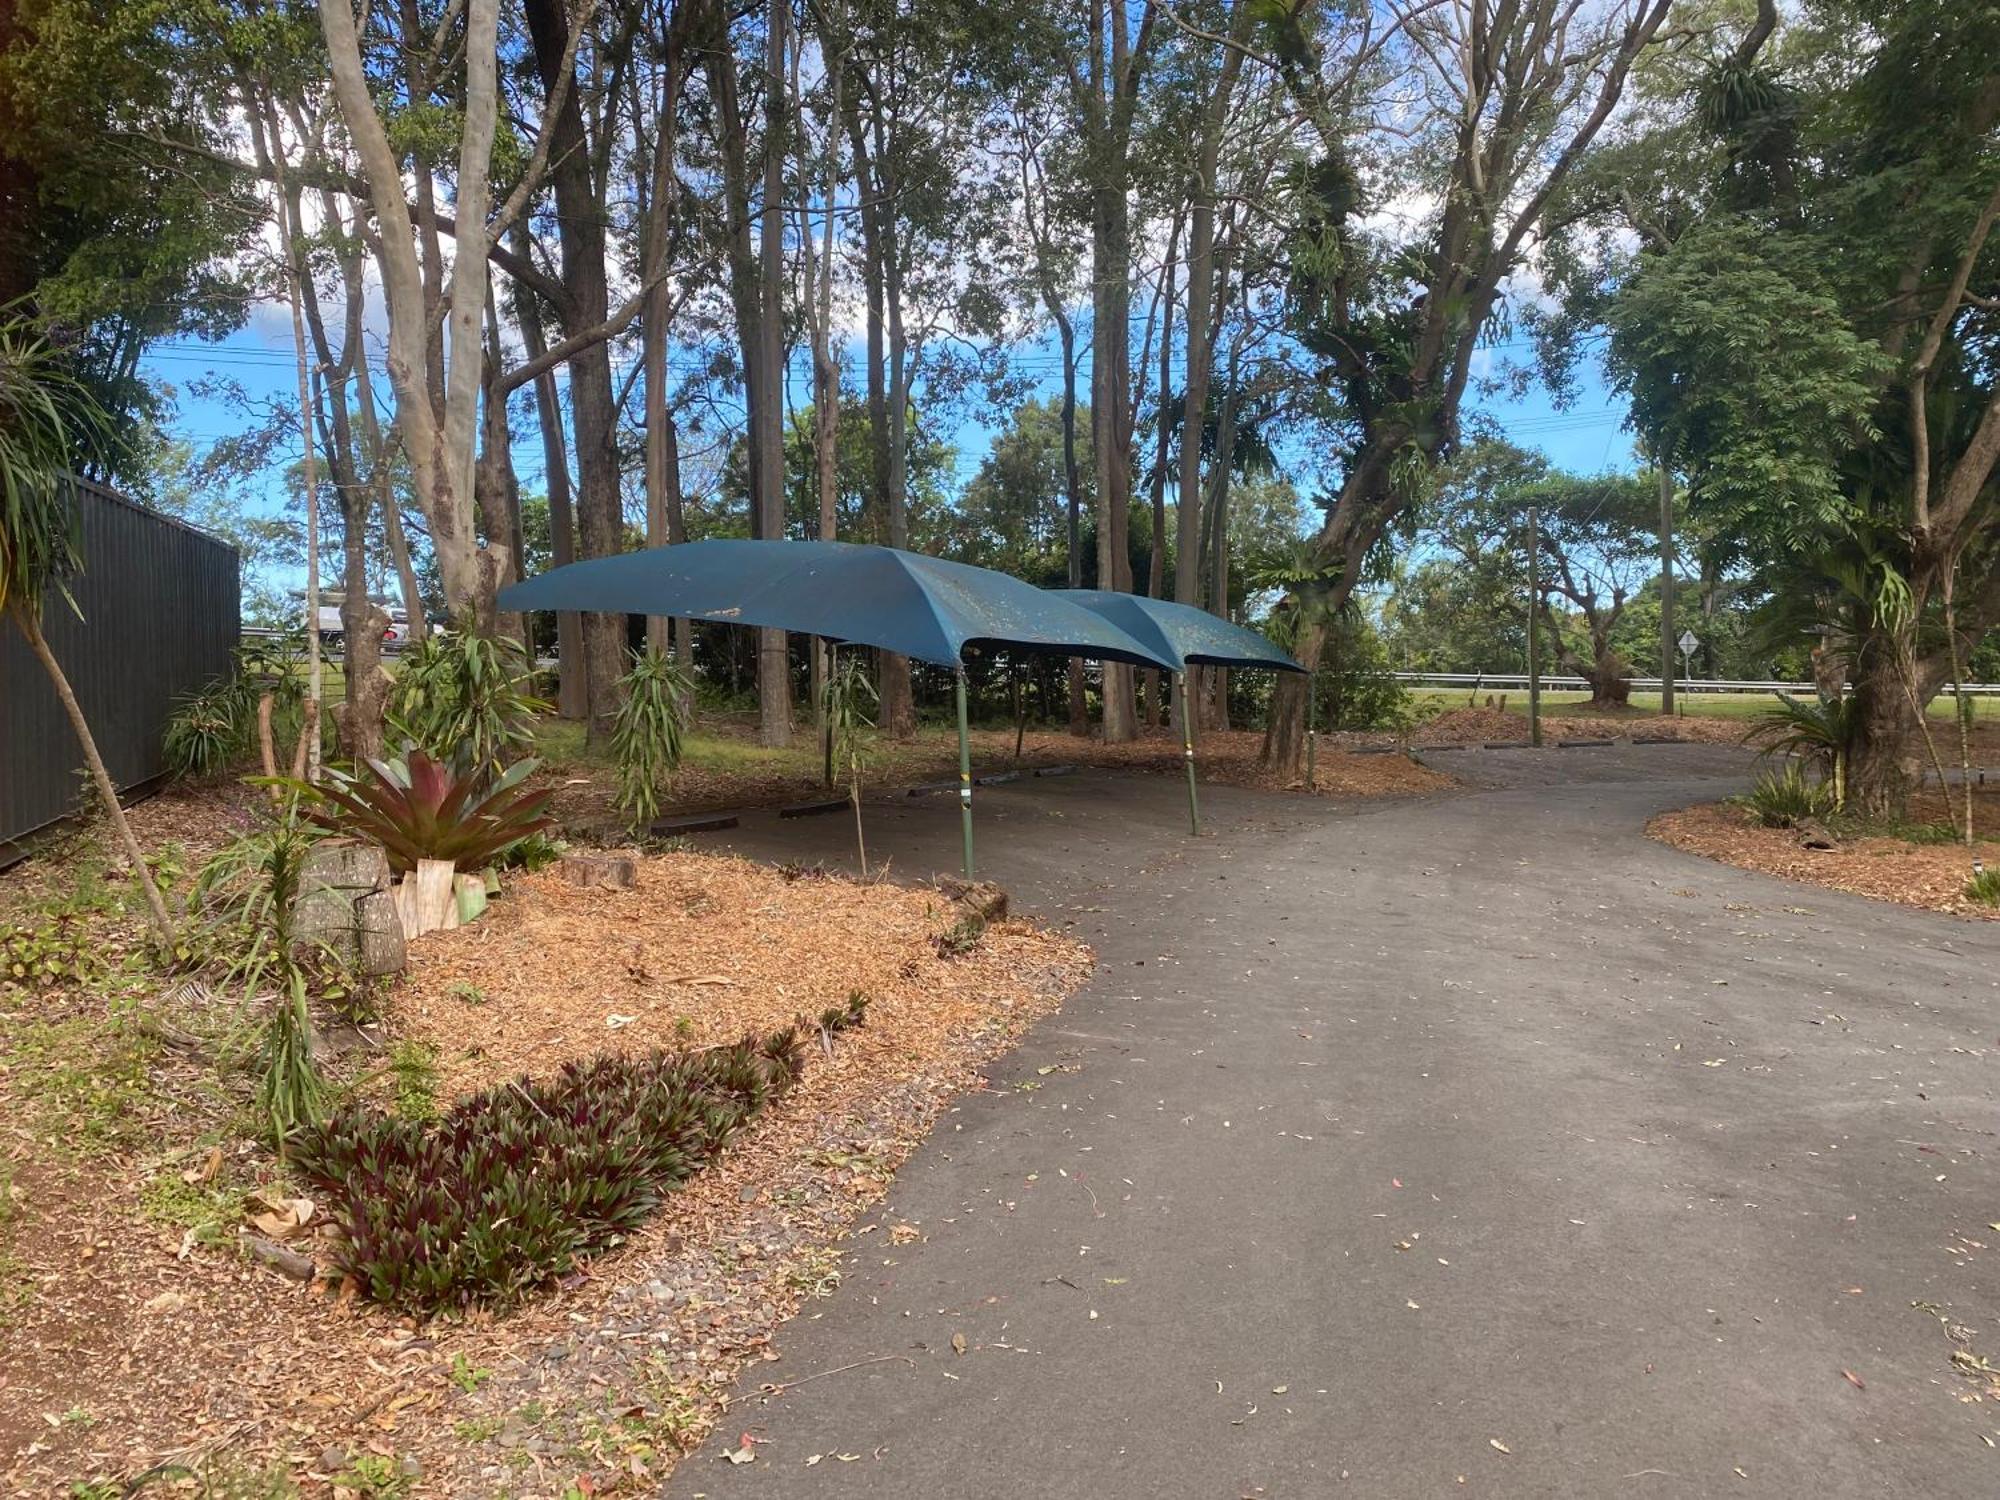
420,810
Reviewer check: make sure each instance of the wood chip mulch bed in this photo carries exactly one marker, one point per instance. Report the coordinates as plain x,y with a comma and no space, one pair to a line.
126,1351
585,793
1932,876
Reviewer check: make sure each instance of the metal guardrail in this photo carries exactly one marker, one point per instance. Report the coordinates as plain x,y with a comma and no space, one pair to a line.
1510,681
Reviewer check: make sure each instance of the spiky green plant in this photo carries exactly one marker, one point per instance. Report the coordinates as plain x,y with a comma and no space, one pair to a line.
1787,797
1820,729
646,736
463,699
204,733
847,706
418,809
248,892
1984,887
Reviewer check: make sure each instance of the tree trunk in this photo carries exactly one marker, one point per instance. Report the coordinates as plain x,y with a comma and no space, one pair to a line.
1079,702
897,708
1285,730
1885,763
593,406
767,427
572,692
664,519
31,627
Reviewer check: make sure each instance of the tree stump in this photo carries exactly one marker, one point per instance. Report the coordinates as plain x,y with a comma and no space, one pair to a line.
617,871
981,897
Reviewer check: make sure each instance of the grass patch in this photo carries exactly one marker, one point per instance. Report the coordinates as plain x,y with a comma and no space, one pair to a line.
1984,887
87,1081
211,1213
413,1071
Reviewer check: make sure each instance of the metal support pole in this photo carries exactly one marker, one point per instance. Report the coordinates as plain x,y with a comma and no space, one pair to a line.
1312,703
964,774
1667,634
1534,631
1187,755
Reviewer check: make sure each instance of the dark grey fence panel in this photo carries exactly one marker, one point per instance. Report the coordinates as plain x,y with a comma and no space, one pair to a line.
161,609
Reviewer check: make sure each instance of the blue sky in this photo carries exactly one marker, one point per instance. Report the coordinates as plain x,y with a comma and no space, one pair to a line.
1587,437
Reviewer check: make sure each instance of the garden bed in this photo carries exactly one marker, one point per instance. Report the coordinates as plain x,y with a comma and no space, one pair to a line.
137,1341
1880,865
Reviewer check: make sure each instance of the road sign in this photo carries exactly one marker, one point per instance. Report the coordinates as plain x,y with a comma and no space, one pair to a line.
1688,643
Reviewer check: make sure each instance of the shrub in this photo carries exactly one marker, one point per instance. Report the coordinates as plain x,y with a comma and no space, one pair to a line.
646,735
961,937
1984,887
1820,730
204,733
462,699
249,891
1782,799
420,810
509,1189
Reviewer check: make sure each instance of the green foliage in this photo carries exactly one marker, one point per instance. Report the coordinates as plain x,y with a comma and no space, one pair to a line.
245,893
291,1094
210,1212
467,1376
204,733
60,950
535,852
420,810
1356,686
1984,887
1819,729
413,1068
462,699
847,703
249,891
647,733
513,1186
961,937
213,727
1784,798
48,425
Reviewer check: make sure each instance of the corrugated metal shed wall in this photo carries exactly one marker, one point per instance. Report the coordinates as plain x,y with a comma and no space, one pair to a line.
162,610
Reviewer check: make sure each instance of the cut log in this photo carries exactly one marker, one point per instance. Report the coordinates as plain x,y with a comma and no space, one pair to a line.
983,897
619,871
285,1262
380,945
427,899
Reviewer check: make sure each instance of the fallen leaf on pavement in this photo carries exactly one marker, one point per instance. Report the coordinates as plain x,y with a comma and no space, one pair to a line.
1497,1446
1855,1380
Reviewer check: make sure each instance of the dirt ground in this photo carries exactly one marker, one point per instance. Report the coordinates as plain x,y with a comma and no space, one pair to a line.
585,795
139,1346
1881,866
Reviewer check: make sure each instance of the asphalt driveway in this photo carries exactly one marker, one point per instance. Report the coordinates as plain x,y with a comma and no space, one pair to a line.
1469,1145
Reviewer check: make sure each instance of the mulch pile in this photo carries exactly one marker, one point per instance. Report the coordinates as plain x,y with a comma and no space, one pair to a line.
124,1346
1931,876
1480,725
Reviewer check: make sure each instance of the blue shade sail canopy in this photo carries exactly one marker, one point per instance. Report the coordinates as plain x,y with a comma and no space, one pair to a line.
918,606
1182,634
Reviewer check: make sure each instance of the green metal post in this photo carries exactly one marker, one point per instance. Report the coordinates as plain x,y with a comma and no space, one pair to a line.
1534,614
1187,754
964,774
1312,685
